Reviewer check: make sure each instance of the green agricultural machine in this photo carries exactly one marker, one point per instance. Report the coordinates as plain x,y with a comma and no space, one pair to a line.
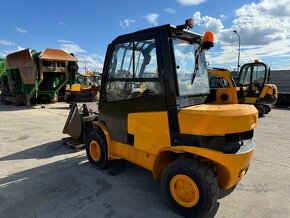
2,69
30,77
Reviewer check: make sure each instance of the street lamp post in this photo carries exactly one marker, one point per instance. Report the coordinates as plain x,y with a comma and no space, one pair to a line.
236,32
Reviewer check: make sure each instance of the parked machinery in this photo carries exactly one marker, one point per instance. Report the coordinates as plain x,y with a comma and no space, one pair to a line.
252,85
152,112
3,76
254,80
32,76
84,89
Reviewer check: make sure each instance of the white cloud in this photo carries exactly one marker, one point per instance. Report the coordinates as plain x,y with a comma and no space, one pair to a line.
209,23
61,23
126,23
267,7
170,10
92,62
20,30
264,22
223,17
6,42
72,48
191,2
64,41
152,18
20,48
264,30
229,53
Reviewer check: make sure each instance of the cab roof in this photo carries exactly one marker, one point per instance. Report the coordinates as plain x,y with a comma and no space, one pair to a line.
153,30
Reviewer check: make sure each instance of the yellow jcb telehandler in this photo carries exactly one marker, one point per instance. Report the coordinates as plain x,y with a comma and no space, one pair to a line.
252,85
153,113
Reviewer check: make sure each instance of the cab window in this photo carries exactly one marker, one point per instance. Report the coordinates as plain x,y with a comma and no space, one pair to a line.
259,73
133,71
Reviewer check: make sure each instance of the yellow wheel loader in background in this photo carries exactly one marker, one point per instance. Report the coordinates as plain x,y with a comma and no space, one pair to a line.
156,111
252,85
84,89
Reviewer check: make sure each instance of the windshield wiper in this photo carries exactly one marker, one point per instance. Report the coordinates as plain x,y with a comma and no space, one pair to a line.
196,66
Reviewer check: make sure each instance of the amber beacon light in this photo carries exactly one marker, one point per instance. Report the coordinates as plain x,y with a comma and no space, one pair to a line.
208,40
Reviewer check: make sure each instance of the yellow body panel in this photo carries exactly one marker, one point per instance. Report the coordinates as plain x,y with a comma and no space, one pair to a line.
118,150
230,167
134,155
215,120
269,89
151,134
250,100
150,130
77,87
230,92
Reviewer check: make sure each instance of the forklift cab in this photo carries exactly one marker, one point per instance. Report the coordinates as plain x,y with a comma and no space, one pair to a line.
253,77
158,69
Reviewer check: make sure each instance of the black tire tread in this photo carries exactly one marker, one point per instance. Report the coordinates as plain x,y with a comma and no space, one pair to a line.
101,138
203,170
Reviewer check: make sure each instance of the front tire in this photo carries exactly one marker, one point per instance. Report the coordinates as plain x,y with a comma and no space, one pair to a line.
261,111
189,187
97,150
267,109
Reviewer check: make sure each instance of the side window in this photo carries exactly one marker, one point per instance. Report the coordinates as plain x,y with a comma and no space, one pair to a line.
245,78
146,59
133,71
259,74
122,61
121,90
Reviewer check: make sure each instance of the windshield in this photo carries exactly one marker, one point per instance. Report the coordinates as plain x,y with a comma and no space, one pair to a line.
185,55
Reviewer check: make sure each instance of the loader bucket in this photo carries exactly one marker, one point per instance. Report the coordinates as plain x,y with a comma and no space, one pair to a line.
74,123
23,61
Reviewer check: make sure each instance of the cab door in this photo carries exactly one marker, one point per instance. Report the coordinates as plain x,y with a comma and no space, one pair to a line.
131,83
252,78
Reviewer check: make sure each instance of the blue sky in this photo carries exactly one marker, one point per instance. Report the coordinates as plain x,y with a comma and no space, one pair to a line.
86,27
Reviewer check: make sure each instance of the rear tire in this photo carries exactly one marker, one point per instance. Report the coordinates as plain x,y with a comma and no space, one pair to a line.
189,187
267,109
97,150
260,111
225,192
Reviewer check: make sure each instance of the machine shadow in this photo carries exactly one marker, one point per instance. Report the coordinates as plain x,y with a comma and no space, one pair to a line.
13,107
72,188
43,151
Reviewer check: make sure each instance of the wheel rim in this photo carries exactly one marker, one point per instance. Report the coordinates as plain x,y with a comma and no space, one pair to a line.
95,150
184,190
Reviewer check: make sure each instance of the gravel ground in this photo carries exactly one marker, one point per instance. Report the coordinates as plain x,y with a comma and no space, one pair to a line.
40,177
